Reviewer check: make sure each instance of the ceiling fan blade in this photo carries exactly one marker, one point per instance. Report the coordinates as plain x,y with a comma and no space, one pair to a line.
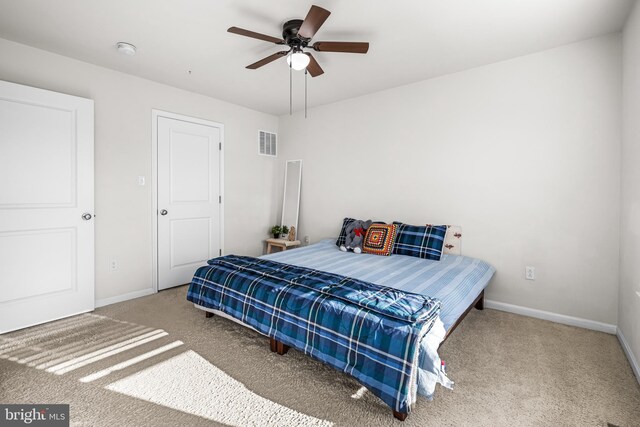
253,34
314,68
346,47
268,59
312,23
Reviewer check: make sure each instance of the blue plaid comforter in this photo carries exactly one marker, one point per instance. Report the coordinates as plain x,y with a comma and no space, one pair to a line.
368,331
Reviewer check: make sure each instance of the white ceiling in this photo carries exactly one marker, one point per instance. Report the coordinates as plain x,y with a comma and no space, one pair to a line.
410,40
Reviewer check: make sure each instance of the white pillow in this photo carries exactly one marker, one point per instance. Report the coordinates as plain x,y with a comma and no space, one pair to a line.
453,240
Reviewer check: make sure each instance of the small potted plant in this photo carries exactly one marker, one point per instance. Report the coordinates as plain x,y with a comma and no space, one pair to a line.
276,230
285,232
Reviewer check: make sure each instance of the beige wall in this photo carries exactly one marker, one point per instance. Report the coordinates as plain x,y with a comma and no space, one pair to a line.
523,154
123,105
629,319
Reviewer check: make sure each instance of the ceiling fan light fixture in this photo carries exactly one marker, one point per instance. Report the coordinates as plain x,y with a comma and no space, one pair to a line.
298,60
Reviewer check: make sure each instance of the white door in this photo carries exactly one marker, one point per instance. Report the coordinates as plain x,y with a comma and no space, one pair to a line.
189,202
46,186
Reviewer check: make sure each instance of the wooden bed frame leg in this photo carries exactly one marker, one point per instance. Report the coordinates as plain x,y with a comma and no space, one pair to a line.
399,415
278,347
208,314
282,349
480,304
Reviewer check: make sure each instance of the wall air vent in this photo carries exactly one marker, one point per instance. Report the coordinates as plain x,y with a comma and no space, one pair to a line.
267,143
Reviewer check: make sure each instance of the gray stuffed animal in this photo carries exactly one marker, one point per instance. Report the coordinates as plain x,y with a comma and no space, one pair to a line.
355,236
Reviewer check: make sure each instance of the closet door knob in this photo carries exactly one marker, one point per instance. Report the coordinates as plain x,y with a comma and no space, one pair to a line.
163,212
86,216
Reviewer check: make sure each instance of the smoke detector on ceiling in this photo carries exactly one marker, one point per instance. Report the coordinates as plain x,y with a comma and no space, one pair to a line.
126,48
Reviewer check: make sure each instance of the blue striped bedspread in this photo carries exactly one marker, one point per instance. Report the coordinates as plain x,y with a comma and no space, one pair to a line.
454,280
371,332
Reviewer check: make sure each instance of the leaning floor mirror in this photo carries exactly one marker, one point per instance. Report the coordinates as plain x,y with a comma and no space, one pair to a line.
291,199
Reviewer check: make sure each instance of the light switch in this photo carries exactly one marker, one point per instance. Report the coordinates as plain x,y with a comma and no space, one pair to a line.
141,180
530,273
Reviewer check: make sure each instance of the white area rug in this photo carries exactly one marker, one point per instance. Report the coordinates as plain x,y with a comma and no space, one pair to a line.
191,384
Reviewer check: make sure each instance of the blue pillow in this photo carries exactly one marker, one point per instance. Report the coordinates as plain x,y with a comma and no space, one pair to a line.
343,232
422,241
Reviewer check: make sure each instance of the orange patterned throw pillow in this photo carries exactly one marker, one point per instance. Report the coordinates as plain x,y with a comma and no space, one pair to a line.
379,239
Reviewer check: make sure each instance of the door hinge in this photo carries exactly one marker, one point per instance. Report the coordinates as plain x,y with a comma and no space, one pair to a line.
220,146
220,252
219,199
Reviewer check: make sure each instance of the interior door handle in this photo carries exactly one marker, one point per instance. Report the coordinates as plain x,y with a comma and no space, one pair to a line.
86,216
163,212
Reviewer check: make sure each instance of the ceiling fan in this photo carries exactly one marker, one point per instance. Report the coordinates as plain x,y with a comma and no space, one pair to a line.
297,35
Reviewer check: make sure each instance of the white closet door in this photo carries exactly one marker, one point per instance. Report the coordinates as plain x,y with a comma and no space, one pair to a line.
46,187
188,199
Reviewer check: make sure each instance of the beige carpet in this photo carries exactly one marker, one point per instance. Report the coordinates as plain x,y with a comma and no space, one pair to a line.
158,361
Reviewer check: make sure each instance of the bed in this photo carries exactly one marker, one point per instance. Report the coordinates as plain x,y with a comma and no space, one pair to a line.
456,281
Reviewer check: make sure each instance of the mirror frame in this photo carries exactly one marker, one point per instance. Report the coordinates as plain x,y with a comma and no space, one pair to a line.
284,194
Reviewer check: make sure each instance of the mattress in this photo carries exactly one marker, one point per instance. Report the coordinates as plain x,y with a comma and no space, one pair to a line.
455,280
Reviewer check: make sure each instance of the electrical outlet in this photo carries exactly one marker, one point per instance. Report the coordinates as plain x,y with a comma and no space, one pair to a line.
306,240
113,265
530,273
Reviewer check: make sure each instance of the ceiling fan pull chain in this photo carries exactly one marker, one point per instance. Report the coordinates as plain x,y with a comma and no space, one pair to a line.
305,93
290,90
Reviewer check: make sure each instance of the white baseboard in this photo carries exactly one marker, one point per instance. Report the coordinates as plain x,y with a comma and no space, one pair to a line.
630,356
124,297
553,317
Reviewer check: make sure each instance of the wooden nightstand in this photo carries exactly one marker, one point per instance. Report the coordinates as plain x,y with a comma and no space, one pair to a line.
283,244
